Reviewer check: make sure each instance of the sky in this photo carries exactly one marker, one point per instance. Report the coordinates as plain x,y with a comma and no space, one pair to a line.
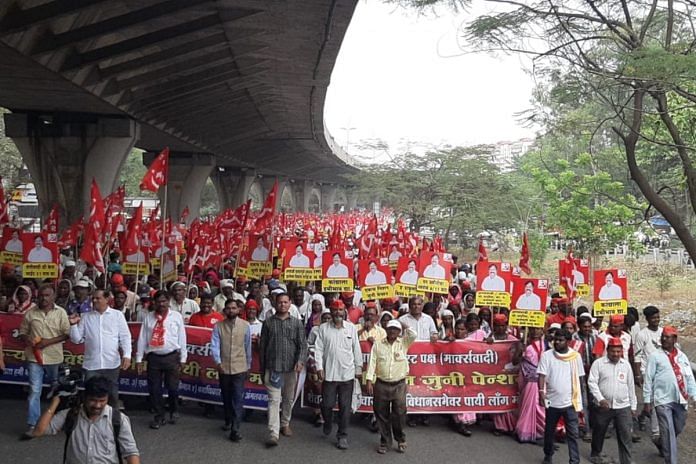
401,77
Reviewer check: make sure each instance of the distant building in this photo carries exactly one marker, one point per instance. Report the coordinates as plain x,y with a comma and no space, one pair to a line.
505,153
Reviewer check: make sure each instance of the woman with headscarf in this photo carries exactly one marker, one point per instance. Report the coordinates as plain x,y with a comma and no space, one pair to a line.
64,293
213,281
21,301
484,315
317,308
193,294
454,296
446,330
384,318
531,418
504,422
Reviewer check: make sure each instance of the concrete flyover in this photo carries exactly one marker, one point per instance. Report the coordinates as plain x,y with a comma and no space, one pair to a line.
235,88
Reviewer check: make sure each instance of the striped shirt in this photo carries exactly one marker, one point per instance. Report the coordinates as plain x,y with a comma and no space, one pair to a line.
283,344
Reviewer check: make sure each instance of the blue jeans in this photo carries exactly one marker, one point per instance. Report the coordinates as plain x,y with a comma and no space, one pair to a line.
571,424
672,419
36,380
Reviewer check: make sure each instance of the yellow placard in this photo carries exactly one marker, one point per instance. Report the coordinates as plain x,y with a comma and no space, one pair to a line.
258,269
133,268
337,285
407,290
433,285
301,274
610,307
40,270
155,262
583,290
489,298
377,292
8,257
527,318
240,272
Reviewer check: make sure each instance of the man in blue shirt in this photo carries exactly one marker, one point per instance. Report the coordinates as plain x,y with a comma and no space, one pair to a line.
669,384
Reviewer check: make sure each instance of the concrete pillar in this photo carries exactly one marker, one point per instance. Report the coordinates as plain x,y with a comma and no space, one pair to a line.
188,173
64,151
328,198
352,197
232,186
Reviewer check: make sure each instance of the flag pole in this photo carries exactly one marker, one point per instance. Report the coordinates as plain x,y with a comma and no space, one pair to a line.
164,224
137,275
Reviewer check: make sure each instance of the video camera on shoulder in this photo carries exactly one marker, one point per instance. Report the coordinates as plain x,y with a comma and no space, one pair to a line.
67,382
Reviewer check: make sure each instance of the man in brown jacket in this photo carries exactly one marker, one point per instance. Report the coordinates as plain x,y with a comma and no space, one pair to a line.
231,348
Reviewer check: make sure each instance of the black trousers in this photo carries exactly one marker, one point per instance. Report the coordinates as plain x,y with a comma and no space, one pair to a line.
623,421
232,386
389,404
343,391
163,368
553,415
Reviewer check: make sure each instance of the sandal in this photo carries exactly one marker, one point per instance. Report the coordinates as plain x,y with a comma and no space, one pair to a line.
382,449
401,447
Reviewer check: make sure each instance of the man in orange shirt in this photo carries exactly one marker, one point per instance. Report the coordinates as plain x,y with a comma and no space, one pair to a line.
206,317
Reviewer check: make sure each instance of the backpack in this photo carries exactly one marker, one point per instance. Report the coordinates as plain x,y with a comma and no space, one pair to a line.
71,421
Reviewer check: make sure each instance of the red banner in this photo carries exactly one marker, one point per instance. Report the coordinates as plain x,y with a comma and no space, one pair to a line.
456,377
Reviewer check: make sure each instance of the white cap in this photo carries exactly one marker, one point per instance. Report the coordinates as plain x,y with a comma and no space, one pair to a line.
84,283
226,283
587,316
555,325
394,324
461,275
70,263
277,291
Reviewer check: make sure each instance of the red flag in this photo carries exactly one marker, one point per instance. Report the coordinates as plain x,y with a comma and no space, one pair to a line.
156,175
69,237
91,248
566,267
438,246
265,219
482,253
96,209
4,213
51,225
134,232
524,255
367,240
184,215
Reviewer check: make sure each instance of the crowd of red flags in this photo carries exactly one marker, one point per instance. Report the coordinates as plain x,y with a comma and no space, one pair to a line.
209,242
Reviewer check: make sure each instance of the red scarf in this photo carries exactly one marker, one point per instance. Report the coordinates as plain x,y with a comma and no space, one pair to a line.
672,355
158,330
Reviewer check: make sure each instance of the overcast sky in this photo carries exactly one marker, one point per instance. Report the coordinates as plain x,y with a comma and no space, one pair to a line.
402,76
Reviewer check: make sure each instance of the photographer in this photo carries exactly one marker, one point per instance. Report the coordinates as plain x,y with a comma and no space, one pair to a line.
94,431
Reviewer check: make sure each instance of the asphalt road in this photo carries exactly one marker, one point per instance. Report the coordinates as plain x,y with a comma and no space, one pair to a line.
199,439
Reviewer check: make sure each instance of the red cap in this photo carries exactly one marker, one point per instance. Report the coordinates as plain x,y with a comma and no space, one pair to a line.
251,304
117,280
276,273
337,304
616,319
556,301
572,320
500,319
347,294
242,279
393,300
466,285
615,341
669,331
371,304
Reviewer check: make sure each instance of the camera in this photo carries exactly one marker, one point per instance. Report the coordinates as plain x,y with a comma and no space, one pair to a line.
67,382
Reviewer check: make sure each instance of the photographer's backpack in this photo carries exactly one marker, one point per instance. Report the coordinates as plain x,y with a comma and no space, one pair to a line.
71,421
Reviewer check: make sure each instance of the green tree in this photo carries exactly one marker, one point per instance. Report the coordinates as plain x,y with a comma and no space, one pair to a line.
10,159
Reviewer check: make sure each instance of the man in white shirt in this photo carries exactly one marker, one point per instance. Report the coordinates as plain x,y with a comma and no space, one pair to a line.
374,275
410,275
103,331
395,254
610,291
299,259
260,253
179,303
337,270
529,300
493,282
646,343
339,361
39,254
560,371
14,244
162,342
611,385
434,270
226,293
421,323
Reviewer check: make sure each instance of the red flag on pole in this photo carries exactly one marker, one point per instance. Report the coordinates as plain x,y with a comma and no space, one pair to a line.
567,280
134,232
184,215
367,240
482,253
51,225
156,175
524,256
96,209
91,250
265,219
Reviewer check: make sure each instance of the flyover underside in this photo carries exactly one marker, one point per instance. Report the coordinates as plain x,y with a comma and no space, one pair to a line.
244,81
